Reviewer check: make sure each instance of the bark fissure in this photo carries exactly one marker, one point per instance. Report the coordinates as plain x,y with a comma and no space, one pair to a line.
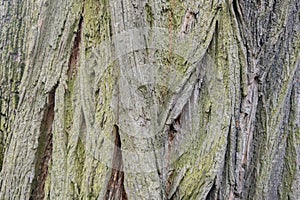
115,186
213,192
170,144
44,152
171,185
220,103
74,58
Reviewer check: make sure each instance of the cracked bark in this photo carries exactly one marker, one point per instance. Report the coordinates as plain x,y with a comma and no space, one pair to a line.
115,186
202,98
44,152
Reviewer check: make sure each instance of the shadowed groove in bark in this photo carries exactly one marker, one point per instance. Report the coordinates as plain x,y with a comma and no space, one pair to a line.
213,193
254,42
173,130
74,59
44,152
115,186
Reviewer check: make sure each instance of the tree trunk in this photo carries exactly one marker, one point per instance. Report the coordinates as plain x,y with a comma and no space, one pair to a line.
129,99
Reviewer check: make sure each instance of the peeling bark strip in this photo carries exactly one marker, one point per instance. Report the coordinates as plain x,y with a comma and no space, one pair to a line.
44,152
115,187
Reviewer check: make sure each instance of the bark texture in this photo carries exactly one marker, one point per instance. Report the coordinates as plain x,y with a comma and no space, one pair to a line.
130,99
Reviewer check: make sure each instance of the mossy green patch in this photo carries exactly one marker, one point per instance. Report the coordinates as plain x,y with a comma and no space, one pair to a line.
97,21
149,14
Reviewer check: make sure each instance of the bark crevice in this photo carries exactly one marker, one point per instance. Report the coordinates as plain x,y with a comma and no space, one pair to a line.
44,152
74,58
115,186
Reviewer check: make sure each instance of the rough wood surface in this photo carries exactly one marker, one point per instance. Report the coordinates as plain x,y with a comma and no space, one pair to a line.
129,99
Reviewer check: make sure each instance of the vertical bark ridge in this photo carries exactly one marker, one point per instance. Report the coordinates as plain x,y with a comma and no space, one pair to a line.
72,72
236,137
12,63
69,120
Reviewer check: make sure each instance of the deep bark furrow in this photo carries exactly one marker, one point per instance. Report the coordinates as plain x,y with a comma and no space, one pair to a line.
174,129
202,96
75,54
44,152
115,186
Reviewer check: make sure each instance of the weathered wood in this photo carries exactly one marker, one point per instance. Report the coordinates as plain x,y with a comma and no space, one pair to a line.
128,99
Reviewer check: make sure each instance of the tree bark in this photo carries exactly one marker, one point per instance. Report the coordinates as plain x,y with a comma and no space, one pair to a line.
129,99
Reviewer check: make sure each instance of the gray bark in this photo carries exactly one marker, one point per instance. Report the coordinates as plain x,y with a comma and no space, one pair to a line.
128,99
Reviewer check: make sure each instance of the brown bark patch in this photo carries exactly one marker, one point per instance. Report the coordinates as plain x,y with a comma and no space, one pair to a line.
115,186
44,152
74,58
